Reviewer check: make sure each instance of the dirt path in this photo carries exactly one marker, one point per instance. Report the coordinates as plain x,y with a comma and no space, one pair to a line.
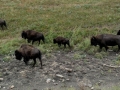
61,69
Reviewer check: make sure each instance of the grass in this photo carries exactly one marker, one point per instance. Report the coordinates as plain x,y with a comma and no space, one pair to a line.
77,20
96,87
109,87
61,88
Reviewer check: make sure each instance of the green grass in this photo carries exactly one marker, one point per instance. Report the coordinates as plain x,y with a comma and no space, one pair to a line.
77,20
109,87
97,87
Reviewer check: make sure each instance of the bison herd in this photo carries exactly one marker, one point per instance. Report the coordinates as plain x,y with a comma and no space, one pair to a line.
28,52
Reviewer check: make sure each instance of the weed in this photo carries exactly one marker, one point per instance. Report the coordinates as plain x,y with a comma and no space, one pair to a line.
99,55
7,58
117,60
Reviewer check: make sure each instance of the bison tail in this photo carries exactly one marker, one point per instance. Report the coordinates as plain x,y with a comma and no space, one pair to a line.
43,38
69,44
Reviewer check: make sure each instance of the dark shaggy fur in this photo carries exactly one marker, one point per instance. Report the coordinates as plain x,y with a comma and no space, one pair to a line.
118,33
3,23
61,40
28,52
33,36
105,40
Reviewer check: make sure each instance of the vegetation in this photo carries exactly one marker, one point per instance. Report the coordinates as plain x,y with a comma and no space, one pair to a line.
77,20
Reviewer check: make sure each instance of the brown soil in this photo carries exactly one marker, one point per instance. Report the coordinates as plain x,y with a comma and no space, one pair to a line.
60,69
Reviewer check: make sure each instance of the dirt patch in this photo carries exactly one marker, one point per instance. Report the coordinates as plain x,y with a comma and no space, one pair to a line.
61,69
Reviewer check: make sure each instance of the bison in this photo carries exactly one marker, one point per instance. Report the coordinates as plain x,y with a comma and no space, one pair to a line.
118,33
105,40
28,52
3,23
33,36
61,40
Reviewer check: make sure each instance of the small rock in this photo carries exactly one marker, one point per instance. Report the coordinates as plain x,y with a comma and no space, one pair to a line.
54,64
55,83
5,73
23,73
92,88
62,67
63,80
67,79
11,87
48,80
89,85
53,80
1,79
58,75
68,69
85,83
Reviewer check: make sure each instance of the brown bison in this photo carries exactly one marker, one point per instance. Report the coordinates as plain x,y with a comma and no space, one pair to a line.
28,52
33,36
105,40
118,33
61,40
3,23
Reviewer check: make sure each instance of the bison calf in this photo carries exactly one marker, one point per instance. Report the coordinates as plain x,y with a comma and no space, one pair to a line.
33,36
28,52
3,23
61,40
105,40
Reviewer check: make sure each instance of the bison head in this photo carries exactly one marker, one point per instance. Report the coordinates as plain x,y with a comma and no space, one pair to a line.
24,34
54,41
118,33
94,41
18,55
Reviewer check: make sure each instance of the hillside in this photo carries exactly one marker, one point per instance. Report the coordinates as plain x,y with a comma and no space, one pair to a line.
76,20
81,67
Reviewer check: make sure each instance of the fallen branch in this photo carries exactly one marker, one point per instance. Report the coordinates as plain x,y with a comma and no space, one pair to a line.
111,66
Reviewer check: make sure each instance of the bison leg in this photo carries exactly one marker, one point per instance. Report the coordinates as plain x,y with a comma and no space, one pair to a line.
40,62
39,42
118,48
106,48
33,42
34,62
29,41
59,44
2,27
26,61
5,25
68,45
64,45
43,40
100,47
